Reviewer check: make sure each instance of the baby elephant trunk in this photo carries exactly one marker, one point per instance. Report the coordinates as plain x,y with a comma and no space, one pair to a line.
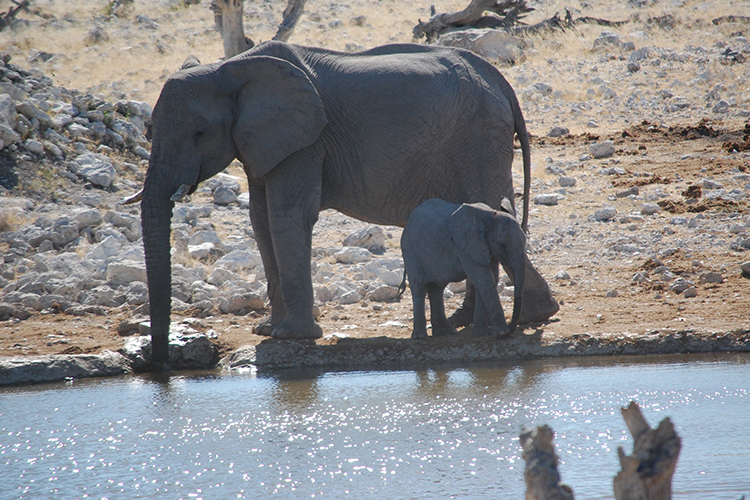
519,276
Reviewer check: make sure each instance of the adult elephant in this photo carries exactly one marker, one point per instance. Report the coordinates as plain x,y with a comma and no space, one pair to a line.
371,134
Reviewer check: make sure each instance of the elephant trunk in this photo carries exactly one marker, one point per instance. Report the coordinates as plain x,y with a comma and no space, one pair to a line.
519,277
156,219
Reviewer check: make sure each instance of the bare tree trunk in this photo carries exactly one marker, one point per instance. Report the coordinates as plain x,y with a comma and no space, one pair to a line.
542,479
292,13
647,473
7,18
228,15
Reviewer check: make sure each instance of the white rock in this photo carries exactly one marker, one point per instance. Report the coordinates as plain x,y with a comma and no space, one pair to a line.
650,208
351,297
201,250
221,275
562,275
494,45
224,195
33,146
88,218
244,200
124,273
549,199
239,260
605,214
96,168
109,247
370,237
352,255
241,303
566,181
602,149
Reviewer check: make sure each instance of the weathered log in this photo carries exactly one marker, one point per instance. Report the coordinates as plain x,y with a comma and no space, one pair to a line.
541,475
502,14
292,13
647,473
505,15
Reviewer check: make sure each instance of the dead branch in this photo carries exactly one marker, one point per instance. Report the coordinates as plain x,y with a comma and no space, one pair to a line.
541,476
292,13
556,23
8,17
731,19
647,473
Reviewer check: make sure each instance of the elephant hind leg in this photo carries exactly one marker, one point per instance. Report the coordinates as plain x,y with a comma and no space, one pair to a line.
440,324
464,315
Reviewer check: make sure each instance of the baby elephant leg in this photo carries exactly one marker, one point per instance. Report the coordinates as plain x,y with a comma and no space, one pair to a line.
440,324
420,320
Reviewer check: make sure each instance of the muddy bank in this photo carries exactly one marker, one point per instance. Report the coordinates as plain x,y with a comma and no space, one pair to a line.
335,353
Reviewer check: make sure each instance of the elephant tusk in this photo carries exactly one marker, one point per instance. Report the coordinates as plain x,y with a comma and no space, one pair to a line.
133,198
181,192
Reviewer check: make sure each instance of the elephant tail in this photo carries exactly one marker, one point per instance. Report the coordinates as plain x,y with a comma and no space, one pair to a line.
401,287
523,138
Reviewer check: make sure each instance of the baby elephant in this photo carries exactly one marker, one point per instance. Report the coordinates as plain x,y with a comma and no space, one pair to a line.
446,242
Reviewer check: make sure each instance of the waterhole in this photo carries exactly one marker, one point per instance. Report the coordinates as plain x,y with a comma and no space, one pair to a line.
430,434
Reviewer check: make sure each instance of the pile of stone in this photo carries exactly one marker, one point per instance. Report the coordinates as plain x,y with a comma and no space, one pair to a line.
38,119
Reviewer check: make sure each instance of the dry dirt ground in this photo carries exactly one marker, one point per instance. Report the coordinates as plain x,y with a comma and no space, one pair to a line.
673,150
637,309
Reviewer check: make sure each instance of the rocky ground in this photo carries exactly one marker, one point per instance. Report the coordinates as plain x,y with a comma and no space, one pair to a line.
641,150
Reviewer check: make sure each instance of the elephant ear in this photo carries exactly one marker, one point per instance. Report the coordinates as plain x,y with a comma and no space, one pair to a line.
278,110
467,229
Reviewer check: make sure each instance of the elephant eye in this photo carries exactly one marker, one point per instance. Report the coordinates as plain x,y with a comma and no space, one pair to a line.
199,134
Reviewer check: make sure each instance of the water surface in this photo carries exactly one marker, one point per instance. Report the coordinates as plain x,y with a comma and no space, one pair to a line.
450,433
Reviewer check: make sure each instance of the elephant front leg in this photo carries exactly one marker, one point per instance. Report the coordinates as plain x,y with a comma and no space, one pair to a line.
262,230
293,199
440,324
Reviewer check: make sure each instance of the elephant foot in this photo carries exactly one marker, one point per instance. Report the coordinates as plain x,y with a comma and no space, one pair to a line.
443,329
502,333
463,316
264,327
297,329
419,333
480,332
538,308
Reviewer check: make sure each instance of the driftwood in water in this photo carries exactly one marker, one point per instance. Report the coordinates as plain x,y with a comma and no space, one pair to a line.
541,476
228,16
505,15
647,473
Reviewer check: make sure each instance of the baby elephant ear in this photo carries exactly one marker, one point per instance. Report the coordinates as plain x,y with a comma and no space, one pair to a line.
278,110
467,228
